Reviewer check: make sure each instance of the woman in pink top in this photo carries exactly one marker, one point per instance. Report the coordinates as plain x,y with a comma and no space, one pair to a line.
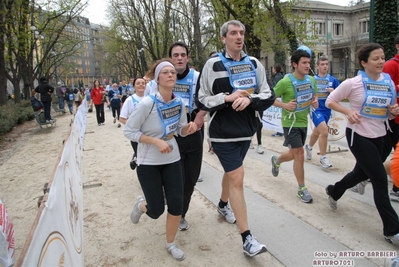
372,100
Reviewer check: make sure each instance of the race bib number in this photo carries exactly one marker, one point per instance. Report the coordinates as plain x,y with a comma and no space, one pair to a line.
379,101
305,97
245,82
171,128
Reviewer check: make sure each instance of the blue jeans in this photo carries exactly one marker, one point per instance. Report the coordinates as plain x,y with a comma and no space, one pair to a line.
61,103
70,103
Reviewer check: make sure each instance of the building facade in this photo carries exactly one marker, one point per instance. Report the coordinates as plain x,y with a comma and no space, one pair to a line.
85,65
333,31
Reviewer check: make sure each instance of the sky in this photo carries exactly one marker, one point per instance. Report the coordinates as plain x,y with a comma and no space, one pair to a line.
96,9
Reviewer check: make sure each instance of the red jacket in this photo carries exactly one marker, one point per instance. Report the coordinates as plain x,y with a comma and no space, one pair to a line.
97,95
392,68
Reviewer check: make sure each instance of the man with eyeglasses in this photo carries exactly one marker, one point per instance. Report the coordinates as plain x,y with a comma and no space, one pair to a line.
190,146
232,86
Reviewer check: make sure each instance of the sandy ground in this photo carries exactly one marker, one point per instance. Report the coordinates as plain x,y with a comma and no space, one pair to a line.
28,157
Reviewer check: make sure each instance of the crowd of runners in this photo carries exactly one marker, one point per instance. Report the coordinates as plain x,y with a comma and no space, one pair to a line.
164,114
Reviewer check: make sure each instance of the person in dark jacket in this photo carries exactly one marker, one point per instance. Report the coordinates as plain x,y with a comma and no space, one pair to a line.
277,76
45,91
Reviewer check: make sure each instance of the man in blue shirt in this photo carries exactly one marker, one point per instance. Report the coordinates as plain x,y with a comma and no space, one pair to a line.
320,116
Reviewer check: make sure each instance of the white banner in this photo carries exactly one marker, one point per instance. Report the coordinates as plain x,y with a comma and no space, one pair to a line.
271,119
336,125
56,238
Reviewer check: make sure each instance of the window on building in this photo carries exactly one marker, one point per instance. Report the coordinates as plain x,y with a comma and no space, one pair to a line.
338,29
302,27
320,28
364,26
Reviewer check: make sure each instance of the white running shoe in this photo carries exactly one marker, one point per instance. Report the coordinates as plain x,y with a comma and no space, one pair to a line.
359,188
393,239
325,163
228,213
136,211
176,252
260,149
394,195
252,247
308,151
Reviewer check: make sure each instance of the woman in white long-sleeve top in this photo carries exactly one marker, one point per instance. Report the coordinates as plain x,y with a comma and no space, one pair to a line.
153,124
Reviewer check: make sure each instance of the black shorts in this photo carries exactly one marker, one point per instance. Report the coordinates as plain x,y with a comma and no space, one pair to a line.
124,98
231,154
296,138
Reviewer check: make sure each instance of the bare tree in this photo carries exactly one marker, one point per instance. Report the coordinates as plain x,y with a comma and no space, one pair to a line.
31,34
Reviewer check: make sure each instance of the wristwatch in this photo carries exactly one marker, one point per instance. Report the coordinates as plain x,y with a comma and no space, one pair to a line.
250,98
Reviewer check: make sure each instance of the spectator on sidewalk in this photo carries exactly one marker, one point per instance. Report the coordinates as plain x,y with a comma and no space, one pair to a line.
277,76
45,90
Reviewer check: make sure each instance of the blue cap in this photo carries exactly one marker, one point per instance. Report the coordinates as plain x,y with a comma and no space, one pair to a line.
307,49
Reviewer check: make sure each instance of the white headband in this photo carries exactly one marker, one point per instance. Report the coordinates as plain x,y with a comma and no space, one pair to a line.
160,67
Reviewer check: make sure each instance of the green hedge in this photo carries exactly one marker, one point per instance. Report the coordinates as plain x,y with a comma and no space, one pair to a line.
13,114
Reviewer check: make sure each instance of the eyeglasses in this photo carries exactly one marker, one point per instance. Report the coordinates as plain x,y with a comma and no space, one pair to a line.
166,72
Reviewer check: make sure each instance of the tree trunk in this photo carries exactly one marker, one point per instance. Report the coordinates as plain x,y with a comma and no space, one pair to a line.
3,78
197,33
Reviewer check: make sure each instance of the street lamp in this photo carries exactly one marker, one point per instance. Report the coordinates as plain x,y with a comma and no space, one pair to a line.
371,22
140,54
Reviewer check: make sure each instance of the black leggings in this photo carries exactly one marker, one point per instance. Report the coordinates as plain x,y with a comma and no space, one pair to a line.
154,180
100,113
116,111
369,164
190,148
260,127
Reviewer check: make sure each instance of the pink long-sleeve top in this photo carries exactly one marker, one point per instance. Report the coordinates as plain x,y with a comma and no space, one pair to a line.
353,90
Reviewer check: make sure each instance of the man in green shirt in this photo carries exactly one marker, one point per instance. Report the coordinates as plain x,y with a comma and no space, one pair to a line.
297,91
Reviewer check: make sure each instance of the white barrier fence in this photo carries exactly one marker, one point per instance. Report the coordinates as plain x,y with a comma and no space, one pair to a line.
56,237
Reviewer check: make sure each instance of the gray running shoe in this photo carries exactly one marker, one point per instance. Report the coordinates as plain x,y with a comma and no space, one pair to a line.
176,252
252,247
325,163
275,166
359,188
260,149
183,226
228,213
394,195
137,212
308,151
331,201
391,262
304,195
200,179
393,239
251,146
